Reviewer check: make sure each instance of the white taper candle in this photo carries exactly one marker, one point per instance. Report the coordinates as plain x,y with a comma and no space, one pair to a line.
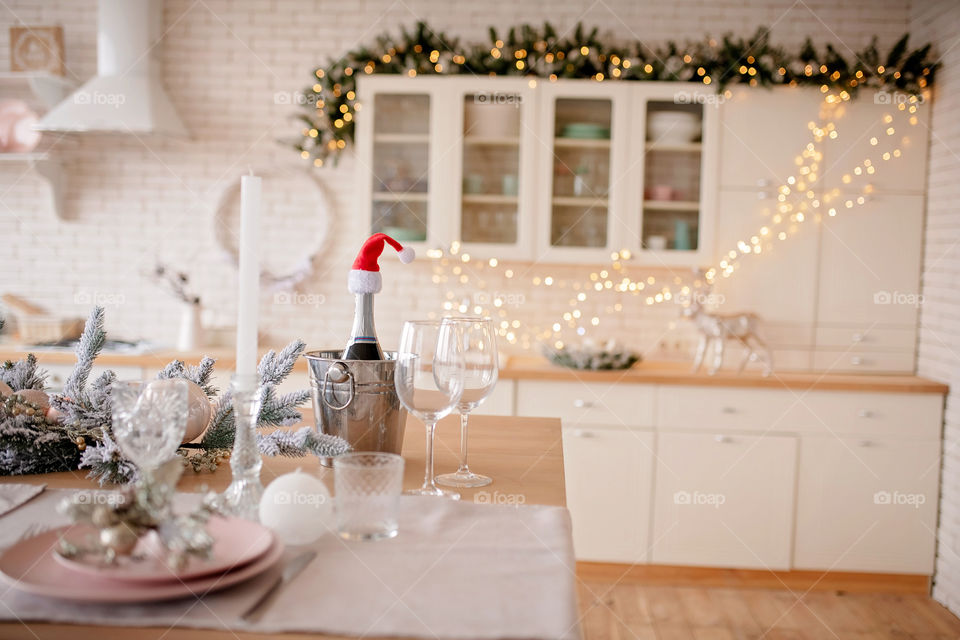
249,292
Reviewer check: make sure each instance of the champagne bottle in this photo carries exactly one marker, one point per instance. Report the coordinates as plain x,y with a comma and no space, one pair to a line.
364,281
363,343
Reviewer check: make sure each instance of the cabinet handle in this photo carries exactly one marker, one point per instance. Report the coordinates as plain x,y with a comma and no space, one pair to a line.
763,182
763,195
864,413
722,439
866,443
857,337
728,410
580,433
582,404
856,361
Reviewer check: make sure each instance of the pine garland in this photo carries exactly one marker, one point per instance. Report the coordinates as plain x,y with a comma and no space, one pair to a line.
330,103
77,433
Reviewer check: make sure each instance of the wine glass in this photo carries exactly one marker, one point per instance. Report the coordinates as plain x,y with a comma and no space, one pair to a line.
149,420
429,381
478,342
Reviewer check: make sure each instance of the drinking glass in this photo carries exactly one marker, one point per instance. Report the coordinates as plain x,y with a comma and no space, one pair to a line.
149,420
368,487
429,381
478,342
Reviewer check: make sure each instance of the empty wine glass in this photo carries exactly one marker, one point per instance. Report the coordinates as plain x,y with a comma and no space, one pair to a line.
429,381
478,342
149,420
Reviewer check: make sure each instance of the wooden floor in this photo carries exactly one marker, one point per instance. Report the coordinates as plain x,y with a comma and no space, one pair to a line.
631,609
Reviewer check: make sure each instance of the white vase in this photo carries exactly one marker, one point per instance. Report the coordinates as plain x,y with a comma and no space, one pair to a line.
191,333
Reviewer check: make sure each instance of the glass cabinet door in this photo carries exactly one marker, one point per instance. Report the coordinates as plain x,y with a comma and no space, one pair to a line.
400,159
671,216
491,169
579,206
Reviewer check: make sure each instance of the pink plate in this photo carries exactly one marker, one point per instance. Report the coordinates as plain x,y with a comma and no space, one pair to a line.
29,566
236,543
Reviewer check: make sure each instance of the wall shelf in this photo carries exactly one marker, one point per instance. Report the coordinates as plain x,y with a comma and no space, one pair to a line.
579,201
489,141
581,143
389,196
489,198
687,147
671,205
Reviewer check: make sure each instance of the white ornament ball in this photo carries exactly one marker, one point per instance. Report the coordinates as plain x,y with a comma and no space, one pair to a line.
298,507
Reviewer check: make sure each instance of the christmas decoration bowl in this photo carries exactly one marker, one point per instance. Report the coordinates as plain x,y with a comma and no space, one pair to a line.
357,401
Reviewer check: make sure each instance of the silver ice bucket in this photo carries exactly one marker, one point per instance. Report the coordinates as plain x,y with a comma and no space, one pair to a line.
356,400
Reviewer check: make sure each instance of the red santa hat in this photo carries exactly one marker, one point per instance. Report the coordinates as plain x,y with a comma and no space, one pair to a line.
365,274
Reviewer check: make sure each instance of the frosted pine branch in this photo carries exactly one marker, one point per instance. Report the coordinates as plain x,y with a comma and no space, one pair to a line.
275,367
91,342
296,444
23,374
200,374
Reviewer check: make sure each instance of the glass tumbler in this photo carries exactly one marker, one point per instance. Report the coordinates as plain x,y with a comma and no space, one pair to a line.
368,487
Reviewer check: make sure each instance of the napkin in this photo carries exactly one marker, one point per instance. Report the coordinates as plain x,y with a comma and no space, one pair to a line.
15,494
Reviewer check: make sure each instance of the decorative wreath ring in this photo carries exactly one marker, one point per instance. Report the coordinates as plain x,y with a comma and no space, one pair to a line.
274,282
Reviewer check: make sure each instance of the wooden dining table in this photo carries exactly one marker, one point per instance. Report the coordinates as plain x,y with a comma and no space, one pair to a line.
524,456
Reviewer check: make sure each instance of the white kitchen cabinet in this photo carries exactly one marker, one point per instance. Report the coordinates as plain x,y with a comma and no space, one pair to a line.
873,124
780,287
724,500
866,504
762,132
584,129
870,263
672,192
500,402
609,480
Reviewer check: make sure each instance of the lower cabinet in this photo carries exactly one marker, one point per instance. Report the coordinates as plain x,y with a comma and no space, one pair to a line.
867,505
724,500
609,475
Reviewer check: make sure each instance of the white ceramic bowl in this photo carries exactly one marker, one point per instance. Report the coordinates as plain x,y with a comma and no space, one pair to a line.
673,127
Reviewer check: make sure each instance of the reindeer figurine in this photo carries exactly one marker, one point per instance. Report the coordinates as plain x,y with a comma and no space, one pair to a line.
715,329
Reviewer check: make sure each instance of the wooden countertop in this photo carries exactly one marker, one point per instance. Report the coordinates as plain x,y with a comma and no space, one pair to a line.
535,368
524,456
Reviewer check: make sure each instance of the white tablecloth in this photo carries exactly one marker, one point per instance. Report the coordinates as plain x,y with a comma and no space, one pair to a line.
457,570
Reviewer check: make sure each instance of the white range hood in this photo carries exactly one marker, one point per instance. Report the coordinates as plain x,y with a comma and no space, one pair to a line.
127,95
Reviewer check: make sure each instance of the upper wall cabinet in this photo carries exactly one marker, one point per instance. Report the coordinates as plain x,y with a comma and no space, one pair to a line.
762,131
584,135
874,124
567,171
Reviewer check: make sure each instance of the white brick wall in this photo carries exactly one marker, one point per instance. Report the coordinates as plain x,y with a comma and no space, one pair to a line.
131,200
940,314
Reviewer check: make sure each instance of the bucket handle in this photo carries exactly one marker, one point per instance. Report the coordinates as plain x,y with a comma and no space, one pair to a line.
344,374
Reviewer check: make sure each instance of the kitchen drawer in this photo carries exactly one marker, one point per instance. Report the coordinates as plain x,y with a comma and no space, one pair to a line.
860,338
725,409
864,361
500,402
913,416
724,500
867,505
609,482
587,403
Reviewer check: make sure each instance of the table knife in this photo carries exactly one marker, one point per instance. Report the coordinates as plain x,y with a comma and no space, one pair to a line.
290,571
